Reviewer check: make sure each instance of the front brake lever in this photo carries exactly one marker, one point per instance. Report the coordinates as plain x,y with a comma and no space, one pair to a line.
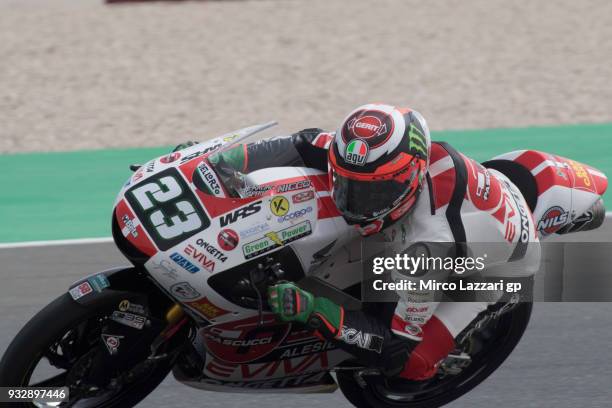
264,275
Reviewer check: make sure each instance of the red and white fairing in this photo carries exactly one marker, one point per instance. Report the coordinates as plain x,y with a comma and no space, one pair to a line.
187,237
209,251
214,234
566,188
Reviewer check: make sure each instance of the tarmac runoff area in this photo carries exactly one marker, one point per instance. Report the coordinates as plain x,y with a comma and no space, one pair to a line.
562,362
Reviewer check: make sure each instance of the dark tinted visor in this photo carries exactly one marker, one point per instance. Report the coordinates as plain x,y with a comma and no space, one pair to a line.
360,201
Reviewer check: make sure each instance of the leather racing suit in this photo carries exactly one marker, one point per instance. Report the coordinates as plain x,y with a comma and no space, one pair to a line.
461,203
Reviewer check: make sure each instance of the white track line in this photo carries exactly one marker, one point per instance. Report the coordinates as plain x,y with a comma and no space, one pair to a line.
86,241
59,242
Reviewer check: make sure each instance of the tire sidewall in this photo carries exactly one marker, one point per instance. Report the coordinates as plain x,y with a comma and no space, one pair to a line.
46,327
364,398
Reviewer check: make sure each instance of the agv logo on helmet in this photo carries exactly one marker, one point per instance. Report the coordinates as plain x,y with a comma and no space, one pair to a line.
357,152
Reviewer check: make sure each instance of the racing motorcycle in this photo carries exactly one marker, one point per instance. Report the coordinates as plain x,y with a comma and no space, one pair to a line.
205,242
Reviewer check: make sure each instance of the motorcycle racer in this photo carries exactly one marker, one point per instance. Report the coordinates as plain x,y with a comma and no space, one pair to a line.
385,176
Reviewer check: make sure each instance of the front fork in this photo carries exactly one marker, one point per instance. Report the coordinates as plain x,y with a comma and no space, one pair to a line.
175,320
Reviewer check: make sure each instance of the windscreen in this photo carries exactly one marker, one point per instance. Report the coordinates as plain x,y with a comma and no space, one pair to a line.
244,166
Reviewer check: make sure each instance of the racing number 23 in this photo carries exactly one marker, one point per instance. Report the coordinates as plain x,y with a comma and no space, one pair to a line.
166,190
167,208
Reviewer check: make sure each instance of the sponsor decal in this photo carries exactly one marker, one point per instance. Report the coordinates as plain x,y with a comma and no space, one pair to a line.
413,330
167,269
417,142
416,309
484,189
274,237
150,166
521,247
524,237
200,153
212,250
581,172
560,167
254,230
112,343
483,186
126,306
138,175
279,206
172,157
228,239
208,309
298,185
367,126
99,282
240,213
206,180
184,263
310,348
184,291
356,152
262,245
285,366
130,225
252,191
243,341
129,319
202,259
360,339
294,215
167,209
273,240
553,219
95,283
510,232
372,125
420,320
81,290
302,196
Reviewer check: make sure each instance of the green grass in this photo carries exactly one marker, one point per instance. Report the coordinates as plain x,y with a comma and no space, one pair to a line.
70,195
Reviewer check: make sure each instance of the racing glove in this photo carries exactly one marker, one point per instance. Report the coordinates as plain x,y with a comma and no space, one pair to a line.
291,304
365,335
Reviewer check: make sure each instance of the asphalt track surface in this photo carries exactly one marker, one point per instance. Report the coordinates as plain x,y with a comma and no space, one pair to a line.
563,360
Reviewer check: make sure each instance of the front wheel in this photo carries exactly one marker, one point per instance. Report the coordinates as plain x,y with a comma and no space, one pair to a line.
489,347
62,346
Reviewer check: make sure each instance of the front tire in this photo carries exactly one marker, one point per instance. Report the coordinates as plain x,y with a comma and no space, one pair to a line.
501,342
51,325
